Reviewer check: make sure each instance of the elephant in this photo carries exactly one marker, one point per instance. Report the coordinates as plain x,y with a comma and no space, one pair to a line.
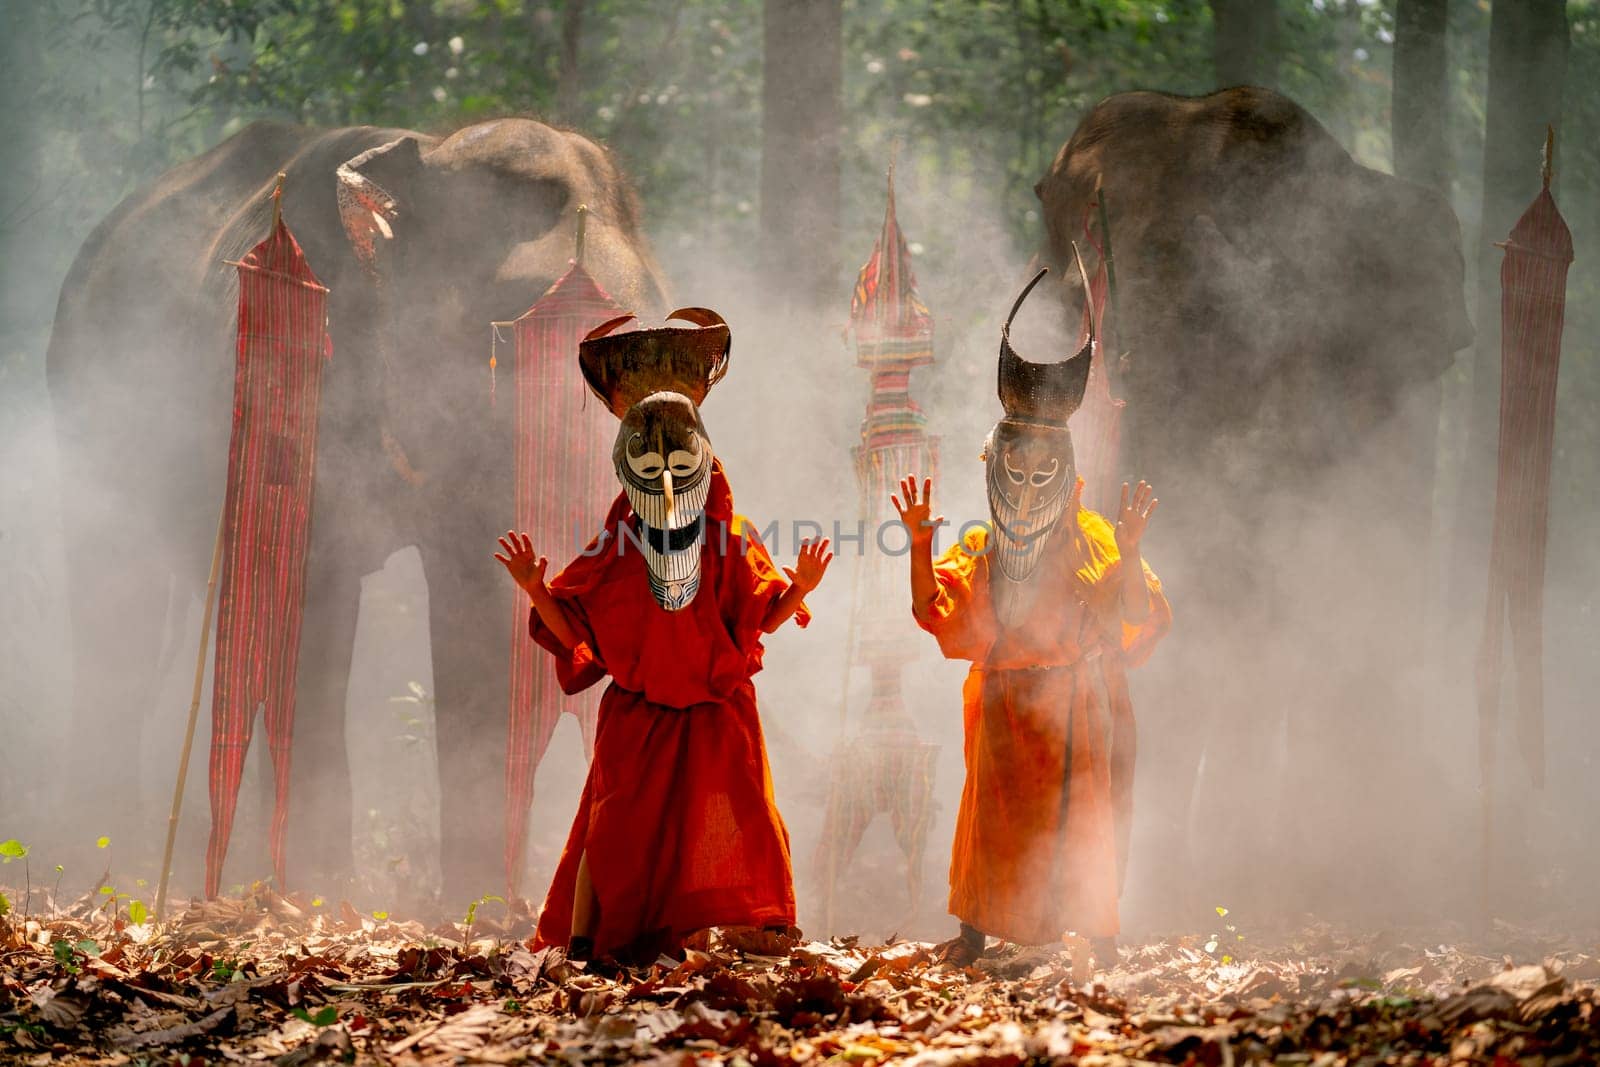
410,450
1282,319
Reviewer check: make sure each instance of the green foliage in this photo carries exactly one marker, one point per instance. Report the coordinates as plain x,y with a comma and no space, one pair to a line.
5,905
326,1016
102,842
36,1031
223,970
983,92
12,850
992,86
472,911
137,912
65,957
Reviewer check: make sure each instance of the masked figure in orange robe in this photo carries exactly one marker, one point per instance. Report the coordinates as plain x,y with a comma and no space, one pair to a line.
676,830
1044,604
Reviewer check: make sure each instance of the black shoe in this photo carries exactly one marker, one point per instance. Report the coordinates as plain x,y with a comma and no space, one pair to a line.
580,949
1105,951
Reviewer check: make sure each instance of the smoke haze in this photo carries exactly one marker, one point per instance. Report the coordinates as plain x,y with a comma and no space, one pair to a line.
1266,783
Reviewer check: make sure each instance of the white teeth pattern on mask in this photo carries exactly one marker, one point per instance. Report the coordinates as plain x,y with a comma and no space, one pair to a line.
669,571
1018,561
674,571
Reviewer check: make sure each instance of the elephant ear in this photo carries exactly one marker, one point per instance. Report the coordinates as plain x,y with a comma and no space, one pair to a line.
370,188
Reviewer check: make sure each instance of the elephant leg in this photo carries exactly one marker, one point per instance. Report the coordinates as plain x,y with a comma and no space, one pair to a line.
469,605
119,584
320,804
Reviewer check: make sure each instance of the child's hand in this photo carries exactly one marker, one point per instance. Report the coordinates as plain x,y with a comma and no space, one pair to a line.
526,568
916,513
1133,515
813,563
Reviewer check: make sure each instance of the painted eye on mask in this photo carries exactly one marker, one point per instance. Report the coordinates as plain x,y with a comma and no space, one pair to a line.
683,462
1017,477
646,465
1043,478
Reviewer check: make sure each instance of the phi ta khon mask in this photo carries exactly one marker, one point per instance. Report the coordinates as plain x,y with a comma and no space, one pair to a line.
1028,462
654,381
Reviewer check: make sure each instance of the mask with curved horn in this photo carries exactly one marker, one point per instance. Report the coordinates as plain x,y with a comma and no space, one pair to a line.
1028,460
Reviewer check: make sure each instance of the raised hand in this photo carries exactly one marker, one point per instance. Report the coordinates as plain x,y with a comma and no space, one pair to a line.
1133,515
916,512
812,565
527,568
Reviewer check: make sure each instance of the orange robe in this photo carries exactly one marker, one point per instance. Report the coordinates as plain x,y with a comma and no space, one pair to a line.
1035,850
677,816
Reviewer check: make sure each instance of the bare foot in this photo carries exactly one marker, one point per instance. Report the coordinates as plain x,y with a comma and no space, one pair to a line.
963,949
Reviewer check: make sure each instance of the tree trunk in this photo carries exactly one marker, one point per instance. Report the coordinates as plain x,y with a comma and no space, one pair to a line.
1421,109
569,81
1244,45
801,109
1421,93
1528,42
24,301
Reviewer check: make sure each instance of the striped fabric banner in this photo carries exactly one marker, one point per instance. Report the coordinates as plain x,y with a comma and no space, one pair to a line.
282,346
1533,287
565,484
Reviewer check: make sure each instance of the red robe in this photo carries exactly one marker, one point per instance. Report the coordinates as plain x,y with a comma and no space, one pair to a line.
1035,851
677,816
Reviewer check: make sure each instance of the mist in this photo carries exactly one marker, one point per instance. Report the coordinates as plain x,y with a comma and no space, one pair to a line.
1302,751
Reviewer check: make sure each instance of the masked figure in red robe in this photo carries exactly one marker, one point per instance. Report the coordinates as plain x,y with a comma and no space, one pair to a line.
677,830
1051,603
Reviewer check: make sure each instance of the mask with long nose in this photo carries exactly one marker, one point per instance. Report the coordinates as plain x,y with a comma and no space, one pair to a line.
663,459
654,381
1028,462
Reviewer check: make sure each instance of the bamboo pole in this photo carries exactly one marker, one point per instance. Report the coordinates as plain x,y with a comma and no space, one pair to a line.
194,715
277,200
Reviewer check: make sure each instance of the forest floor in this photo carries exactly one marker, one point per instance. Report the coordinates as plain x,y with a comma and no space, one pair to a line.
264,979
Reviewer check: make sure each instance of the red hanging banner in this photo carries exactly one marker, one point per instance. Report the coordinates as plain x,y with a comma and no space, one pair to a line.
565,483
282,346
1533,287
